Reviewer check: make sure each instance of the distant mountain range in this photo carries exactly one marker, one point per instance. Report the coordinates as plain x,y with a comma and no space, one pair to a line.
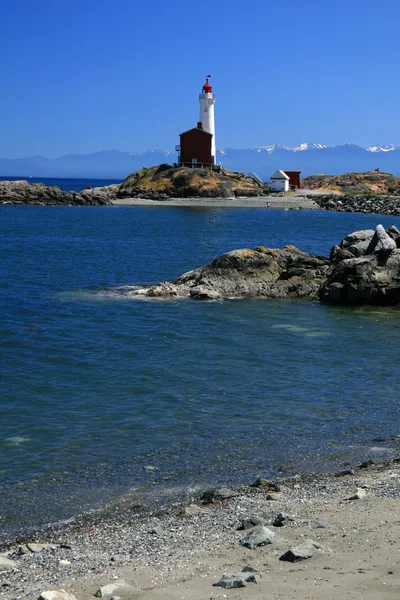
310,159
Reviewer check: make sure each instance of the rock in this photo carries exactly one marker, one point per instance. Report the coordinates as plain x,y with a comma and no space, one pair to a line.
265,483
156,530
273,496
367,464
281,520
258,536
6,564
64,562
167,289
360,493
239,579
371,279
215,494
258,273
202,292
120,587
345,472
381,242
303,551
249,522
36,547
56,595
190,511
356,237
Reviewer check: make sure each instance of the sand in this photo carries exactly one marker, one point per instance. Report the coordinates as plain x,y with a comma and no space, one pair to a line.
166,556
296,201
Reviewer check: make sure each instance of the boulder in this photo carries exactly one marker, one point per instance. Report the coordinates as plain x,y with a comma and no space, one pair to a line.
303,551
381,242
216,494
357,236
56,595
118,588
258,536
239,579
267,484
250,522
190,511
6,564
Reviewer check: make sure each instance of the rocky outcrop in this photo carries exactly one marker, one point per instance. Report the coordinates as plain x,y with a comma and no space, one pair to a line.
164,182
23,192
363,269
258,273
370,182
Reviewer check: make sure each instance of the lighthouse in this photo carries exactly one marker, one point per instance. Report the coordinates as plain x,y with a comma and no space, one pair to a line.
207,101
197,145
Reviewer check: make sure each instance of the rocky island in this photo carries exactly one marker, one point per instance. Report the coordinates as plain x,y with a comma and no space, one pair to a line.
364,268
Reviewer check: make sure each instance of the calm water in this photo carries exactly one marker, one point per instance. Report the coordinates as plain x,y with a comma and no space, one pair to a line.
100,395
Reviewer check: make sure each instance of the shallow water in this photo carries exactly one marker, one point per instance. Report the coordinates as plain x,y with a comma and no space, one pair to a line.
101,394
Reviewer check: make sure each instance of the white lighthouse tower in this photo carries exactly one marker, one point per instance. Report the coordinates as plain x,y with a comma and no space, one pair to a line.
207,101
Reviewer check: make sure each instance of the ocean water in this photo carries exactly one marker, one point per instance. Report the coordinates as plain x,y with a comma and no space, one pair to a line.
102,396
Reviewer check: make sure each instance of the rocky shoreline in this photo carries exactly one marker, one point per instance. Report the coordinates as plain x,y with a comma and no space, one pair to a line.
384,204
312,537
24,193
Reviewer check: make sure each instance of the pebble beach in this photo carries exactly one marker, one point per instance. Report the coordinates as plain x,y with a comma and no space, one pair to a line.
349,522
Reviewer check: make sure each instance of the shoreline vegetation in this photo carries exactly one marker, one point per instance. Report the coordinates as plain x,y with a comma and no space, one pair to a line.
305,537
370,192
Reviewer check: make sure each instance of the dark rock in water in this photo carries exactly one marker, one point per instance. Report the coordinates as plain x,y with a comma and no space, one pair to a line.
258,273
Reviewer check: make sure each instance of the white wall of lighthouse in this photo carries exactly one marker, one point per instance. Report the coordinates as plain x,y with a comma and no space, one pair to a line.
207,101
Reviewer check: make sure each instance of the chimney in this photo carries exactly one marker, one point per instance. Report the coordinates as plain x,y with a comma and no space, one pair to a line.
199,125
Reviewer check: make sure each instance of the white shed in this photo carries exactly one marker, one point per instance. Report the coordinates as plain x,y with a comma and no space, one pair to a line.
279,182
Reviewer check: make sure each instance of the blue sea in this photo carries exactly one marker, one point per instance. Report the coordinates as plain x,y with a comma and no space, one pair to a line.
103,396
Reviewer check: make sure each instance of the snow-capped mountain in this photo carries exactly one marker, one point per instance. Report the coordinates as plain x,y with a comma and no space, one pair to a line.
309,158
385,148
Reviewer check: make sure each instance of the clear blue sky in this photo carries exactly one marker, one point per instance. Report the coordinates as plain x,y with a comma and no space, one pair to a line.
80,76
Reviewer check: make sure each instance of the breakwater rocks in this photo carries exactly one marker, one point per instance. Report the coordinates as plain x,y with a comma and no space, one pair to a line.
23,192
384,204
364,268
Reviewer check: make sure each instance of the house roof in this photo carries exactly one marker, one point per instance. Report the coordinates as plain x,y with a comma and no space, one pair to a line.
279,175
195,129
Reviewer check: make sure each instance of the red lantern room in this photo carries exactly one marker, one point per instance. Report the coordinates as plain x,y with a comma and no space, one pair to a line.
207,89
